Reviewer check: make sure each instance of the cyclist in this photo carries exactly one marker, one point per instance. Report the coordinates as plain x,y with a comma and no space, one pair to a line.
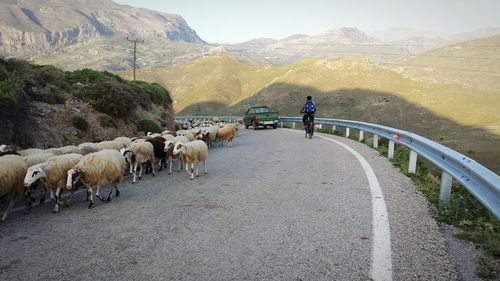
308,109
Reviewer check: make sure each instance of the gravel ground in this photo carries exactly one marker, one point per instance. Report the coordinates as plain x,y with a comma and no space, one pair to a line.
276,206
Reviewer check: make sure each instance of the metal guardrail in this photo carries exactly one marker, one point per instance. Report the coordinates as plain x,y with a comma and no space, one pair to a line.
477,179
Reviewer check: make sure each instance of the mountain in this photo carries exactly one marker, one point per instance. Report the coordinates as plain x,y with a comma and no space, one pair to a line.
473,63
396,34
30,26
341,42
349,88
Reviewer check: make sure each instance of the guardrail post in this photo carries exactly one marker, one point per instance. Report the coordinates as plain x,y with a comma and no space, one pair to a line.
347,132
320,126
445,190
281,124
334,127
293,125
412,165
375,141
360,135
390,153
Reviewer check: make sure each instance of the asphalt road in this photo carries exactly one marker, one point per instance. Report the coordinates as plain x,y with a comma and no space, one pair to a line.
275,206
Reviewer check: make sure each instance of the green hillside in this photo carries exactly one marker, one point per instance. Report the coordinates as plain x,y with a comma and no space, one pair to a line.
474,63
352,88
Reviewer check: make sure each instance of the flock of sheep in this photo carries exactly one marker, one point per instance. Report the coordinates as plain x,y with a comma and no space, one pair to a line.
97,164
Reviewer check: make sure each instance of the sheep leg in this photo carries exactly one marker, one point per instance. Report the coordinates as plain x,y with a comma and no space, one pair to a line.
134,169
52,195
108,199
170,164
43,196
140,171
117,192
56,202
70,198
192,171
181,164
11,203
197,169
90,198
152,161
98,193
205,166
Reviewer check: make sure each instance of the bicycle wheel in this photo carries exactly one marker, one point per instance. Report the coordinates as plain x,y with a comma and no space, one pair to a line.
311,130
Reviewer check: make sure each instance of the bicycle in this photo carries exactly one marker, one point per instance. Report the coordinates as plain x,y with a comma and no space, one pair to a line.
309,128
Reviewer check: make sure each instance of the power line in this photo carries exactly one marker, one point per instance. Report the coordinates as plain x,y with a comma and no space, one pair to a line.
135,50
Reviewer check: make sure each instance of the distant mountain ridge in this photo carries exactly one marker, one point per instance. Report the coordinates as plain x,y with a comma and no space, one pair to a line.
388,45
31,25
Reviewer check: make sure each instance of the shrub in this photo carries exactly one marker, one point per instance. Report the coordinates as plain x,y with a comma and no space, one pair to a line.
48,94
9,90
80,123
146,125
90,76
112,98
156,92
107,121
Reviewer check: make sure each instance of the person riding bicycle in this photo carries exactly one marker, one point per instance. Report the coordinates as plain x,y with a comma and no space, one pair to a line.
308,109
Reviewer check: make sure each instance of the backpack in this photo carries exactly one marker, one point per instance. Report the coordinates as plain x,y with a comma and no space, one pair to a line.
310,107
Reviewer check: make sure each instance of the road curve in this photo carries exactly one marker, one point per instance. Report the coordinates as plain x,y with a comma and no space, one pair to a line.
276,206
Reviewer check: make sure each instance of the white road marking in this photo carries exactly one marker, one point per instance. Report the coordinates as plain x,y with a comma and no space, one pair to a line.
381,266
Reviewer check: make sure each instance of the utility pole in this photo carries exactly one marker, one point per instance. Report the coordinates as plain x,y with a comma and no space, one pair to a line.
135,49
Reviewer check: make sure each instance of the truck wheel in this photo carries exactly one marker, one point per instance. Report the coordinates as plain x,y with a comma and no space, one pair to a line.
265,126
246,126
274,126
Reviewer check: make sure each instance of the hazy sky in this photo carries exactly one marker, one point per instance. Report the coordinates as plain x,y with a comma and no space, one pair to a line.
240,20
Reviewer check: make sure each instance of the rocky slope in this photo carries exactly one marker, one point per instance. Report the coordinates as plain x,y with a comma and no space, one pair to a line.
42,106
32,25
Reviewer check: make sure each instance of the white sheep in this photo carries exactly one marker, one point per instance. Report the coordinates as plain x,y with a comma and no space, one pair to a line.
138,153
52,175
88,144
152,135
227,133
210,135
97,169
37,158
192,153
28,151
12,171
169,149
123,140
109,145
63,150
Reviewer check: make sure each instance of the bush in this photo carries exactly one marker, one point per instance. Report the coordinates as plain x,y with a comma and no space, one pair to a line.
146,125
86,76
48,94
80,123
156,92
107,121
9,90
112,98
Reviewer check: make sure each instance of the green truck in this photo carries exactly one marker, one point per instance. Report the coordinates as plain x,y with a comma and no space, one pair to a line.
260,116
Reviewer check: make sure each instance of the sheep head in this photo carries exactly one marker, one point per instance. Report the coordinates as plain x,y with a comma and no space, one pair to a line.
73,177
129,156
33,174
168,145
178,148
